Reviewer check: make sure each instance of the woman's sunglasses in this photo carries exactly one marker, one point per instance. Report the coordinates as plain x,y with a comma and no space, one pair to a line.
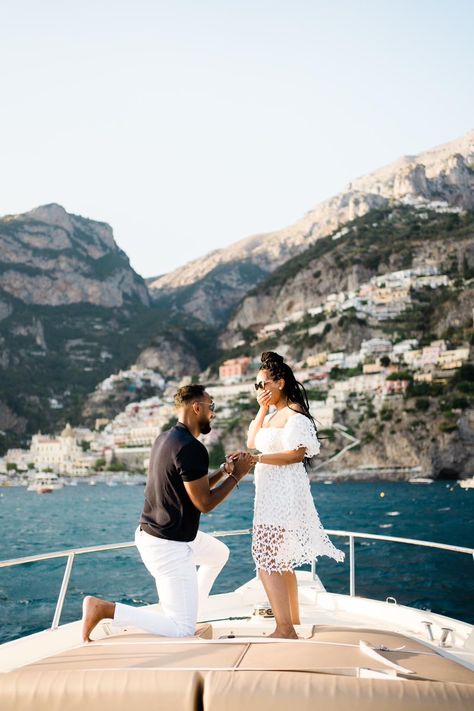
261,384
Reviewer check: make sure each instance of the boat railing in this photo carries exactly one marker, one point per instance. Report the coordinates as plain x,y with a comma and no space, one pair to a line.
71,553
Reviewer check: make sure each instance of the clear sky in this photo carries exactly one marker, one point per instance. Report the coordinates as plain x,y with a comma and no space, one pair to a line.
190,124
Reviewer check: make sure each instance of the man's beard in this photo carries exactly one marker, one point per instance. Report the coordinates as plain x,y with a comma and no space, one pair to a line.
205,427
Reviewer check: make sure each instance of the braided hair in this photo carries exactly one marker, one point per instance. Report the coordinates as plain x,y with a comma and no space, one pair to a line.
293,390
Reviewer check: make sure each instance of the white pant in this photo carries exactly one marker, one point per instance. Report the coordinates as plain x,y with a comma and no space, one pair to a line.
180,587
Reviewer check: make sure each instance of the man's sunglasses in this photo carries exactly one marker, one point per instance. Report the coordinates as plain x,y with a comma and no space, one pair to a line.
211,405
261,384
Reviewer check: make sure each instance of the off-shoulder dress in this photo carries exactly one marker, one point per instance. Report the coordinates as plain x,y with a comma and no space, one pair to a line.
287,531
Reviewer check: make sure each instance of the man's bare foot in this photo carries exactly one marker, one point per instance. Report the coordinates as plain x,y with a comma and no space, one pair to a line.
284,633
93,611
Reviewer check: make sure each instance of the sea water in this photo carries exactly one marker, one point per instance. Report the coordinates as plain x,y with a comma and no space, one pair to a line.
84,515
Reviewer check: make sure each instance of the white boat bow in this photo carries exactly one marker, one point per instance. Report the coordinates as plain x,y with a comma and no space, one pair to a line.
352,652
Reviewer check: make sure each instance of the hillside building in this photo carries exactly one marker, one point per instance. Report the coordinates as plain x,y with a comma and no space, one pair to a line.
234,369
62,454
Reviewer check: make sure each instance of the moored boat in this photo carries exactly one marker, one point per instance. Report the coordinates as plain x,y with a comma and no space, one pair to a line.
45,483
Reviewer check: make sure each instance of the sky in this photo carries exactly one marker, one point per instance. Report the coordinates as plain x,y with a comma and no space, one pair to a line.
190,124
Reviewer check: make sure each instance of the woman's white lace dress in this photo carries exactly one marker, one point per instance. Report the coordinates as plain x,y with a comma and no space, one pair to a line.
287,531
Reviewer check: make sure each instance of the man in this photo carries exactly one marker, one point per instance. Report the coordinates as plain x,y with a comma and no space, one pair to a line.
178,490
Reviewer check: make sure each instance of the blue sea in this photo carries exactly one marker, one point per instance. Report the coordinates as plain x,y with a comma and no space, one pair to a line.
84,515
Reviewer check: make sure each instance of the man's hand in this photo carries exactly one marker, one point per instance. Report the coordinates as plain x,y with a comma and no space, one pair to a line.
228,465
206,497
243,463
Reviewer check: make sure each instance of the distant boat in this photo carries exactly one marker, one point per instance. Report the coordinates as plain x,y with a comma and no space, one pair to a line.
467,483
135,480
420,480
45,483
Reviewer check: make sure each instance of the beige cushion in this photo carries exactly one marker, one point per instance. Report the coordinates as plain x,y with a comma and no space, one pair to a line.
137,670
261,691
420,658
74,690
146,653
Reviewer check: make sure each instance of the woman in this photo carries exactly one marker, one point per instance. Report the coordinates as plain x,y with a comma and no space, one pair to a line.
287,531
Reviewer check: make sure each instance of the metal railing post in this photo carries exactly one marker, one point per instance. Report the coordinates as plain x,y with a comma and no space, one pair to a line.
62,592
313,568
351,566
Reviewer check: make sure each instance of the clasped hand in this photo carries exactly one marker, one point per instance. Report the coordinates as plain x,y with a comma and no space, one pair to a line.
241,462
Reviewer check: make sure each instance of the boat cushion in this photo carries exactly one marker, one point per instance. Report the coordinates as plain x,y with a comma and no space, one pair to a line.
260,691
32,689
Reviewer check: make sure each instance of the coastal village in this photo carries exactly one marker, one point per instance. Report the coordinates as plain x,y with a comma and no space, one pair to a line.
379,371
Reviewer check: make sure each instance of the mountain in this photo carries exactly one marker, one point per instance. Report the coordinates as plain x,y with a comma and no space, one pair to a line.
50,257
317,302
71,310
385,240
209,287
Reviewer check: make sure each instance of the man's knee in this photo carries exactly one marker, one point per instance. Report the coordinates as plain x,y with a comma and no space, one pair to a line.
222,553
185,630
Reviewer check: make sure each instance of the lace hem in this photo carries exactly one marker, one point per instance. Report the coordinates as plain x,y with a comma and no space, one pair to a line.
277,550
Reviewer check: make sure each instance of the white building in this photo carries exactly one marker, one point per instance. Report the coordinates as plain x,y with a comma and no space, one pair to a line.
271,328
404,346
135,377
62,454
323,413
375,348
359,384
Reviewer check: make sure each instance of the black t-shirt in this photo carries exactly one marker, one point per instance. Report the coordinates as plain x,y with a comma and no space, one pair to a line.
176,456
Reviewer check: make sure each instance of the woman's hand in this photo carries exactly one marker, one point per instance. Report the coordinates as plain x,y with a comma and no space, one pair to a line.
263,399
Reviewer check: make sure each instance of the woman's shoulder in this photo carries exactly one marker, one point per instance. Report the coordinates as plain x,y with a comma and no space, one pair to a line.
295,416
295,411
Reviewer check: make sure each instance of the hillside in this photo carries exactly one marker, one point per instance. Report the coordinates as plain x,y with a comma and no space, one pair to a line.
71,310
208,287
318,305
386,240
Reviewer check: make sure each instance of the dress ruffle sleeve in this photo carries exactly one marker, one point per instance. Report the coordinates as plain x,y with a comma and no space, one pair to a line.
299,432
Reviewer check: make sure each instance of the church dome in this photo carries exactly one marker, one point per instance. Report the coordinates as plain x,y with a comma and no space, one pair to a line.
68,431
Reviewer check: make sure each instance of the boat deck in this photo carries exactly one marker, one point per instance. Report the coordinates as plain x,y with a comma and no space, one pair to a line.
353,653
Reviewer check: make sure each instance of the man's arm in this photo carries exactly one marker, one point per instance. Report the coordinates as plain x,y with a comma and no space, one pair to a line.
224,470
205,498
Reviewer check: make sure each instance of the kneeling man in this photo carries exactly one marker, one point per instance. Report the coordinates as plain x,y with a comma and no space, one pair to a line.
178,490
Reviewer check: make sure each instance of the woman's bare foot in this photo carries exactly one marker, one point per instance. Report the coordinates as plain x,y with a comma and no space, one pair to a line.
93,611
284,633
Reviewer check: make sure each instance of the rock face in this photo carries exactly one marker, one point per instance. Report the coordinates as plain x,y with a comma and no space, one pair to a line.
70,313
172,357
50,257
445,173
274,302
212,298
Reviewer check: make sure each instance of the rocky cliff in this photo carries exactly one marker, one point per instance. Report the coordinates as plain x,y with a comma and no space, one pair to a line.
71,310
444,173
384,241
50,257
